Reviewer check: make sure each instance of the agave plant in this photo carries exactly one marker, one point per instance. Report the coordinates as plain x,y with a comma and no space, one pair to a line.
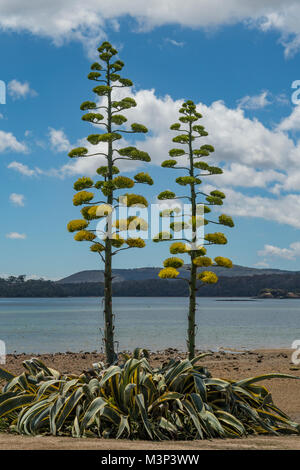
178,401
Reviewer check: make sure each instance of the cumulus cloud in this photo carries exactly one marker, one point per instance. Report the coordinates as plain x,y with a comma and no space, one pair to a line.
16,236
291,122
255,102
59,140
8,142
286,253
87,20
18,90
284,209
251,154
24,169
17,199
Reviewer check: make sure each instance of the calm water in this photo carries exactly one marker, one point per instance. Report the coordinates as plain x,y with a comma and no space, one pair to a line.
73,324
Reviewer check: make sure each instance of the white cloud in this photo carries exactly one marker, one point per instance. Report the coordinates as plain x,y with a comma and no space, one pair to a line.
16,236
19,90
286,253
251,154
87,20
291,122
255,102
262,264
8,142
175,43
284,209
240,139
237,174
24,169
284,18
237,138
58,140
17,199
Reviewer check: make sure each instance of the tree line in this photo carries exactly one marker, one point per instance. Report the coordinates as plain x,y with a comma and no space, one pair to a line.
244,286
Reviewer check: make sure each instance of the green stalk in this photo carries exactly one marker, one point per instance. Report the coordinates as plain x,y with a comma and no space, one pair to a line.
108,314
193,272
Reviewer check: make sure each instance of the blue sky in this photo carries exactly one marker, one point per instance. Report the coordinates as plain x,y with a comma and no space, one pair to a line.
237,67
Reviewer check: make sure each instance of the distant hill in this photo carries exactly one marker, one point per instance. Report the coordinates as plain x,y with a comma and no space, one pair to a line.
228,286
141,274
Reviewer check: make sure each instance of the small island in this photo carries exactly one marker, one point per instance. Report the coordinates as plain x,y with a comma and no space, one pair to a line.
277,294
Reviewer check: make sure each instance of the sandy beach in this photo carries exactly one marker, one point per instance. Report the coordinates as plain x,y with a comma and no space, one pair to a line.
232,365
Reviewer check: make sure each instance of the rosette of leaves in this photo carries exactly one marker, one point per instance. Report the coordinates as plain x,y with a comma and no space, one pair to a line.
189,158
99,197
133,400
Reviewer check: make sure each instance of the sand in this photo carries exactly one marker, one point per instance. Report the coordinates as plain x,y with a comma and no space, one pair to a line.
233,365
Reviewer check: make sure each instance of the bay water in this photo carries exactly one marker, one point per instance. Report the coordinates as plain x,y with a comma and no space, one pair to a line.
47,325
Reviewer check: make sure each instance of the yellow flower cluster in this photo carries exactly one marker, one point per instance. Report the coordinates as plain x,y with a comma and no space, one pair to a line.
85,212
97,248
75,225
123,182
136,242
100,211
84,235
132,223
168,273
130,200
202,261
117,241
82,197
173,262
83,183
178,247
226,220
217,238
208,277
225,262
144,178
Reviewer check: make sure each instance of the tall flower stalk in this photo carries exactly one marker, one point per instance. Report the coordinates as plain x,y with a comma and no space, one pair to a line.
107,115
191,240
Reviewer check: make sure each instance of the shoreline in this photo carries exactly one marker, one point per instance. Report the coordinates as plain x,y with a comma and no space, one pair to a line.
219,297
165,351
